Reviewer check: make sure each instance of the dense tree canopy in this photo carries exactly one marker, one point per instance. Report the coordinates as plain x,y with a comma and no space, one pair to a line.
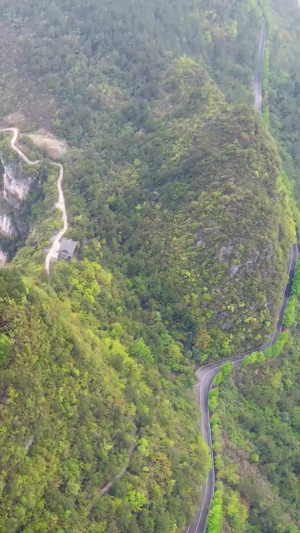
175,192
80,401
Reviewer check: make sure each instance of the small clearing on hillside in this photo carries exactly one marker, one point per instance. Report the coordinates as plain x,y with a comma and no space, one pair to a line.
55,148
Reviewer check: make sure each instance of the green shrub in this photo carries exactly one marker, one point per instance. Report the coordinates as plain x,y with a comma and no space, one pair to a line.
226,369
280,343
218,379
212,404
296,281
214,393
246,361
5,349
290,312
214,419
215,517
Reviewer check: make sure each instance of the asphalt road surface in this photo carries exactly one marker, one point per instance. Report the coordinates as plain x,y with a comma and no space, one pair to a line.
205,376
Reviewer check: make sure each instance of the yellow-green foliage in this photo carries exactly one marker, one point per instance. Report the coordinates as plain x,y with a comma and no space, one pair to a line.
235,510
273,351
170,183
78,392
166,167
214,523
226,369
296,281
290,312
258,410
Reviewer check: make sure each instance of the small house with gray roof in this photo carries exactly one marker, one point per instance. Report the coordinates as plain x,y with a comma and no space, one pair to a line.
67,248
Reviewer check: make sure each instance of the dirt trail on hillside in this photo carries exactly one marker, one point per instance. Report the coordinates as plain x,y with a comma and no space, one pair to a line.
53,252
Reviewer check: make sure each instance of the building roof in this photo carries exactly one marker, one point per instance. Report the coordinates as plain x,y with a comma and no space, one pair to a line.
67,246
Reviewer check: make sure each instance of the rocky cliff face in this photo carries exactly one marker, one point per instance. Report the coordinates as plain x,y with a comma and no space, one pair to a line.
16,185
3,258
7,226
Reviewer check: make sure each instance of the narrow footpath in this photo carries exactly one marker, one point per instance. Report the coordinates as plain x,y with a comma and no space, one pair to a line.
53,252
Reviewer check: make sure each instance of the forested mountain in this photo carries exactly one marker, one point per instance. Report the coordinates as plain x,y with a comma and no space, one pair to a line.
176,194
82,396
160,163
284,84
258,435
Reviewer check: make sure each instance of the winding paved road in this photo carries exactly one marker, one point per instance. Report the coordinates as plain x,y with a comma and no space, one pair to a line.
205,376
206,373
53,252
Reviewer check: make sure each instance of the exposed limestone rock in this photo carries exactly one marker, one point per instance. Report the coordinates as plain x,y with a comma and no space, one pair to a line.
224,250
3,258
249,263
28,443
7,226
233,270
16,186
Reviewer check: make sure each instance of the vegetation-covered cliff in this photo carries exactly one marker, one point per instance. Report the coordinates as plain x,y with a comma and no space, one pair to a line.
182,186
82,396
257,434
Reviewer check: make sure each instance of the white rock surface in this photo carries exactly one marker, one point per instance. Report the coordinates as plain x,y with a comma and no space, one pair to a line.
3,258
7,227
15,186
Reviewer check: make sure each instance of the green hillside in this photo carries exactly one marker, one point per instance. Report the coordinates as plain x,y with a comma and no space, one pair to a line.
259,434
82,395
257,438
182,186
175,191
